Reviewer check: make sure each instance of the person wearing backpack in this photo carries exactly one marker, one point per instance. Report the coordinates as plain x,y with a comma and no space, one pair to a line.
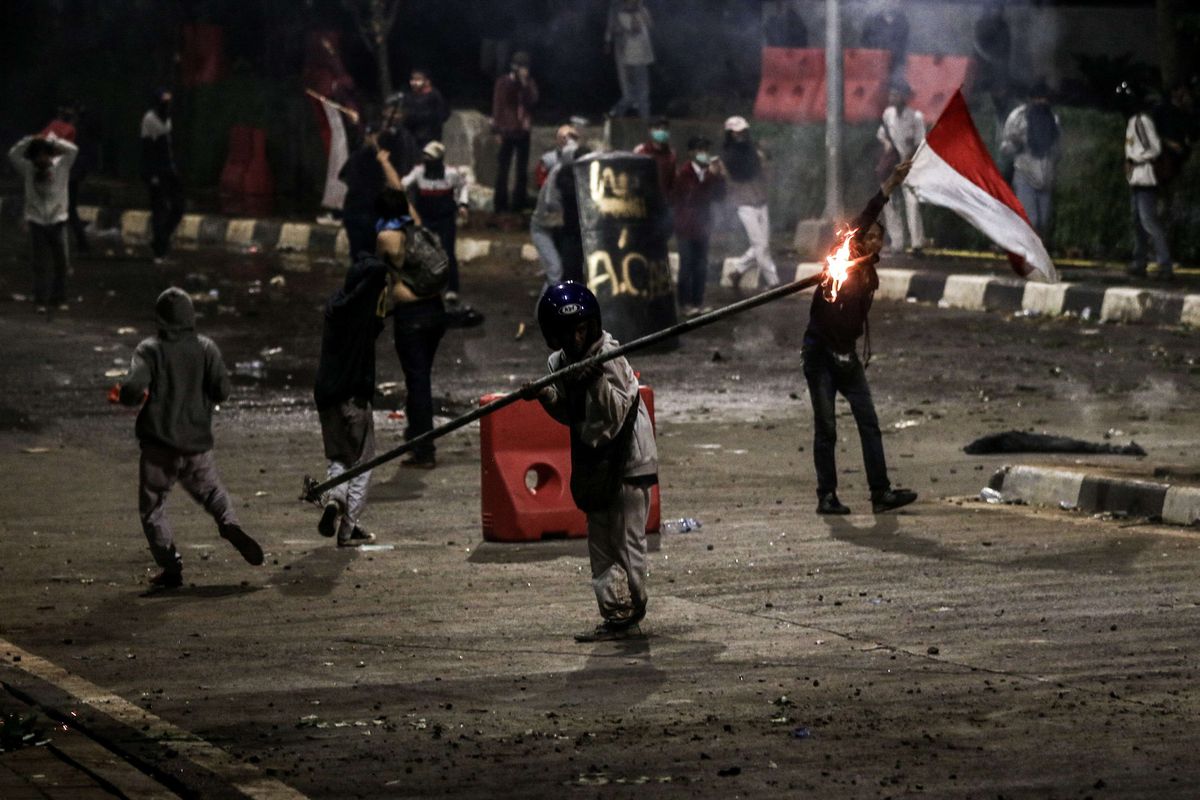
439,195
418,271
614,459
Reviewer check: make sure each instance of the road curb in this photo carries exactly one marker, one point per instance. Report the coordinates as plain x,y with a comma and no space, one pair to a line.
970,292
262,234
1095,493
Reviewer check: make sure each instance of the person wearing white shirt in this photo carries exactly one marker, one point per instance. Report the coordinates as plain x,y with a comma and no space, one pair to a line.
902,131
44,164
1142,147
628,36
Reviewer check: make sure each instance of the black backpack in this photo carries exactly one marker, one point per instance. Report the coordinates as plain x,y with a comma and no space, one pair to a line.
426,268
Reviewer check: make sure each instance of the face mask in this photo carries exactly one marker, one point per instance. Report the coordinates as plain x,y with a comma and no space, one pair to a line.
702,159
660,136
570,147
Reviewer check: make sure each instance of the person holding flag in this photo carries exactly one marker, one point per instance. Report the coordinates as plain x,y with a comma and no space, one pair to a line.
836,321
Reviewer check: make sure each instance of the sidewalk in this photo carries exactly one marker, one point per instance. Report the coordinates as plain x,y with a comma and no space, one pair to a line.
932,279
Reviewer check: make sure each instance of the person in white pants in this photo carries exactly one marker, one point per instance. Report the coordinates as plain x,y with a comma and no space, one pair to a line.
747,182
901,132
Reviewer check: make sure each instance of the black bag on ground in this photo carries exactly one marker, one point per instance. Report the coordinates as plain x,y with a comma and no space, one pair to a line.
426,268
597,472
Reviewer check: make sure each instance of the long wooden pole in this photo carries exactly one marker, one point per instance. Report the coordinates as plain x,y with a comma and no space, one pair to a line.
312,490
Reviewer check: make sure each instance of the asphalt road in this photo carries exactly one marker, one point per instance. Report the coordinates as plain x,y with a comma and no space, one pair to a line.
952,650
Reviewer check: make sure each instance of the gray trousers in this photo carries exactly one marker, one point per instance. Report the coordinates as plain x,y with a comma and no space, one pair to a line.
348,431
1148,229
159,469
617,549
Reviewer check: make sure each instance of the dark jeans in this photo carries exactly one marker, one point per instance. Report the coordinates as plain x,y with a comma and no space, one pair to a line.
512,143
1148,229
693,271
360,230
49,263
828,374
418,328
166,210
446,229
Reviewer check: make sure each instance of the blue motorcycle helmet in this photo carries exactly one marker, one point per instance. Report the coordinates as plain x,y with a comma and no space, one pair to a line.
561,309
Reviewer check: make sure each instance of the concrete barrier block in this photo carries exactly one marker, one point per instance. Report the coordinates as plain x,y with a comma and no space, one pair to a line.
135,225
673,265
341,245
1181,506
1045,298
1041,485
88,213
189,227
749,278
965,291
1122,304
240,231
294,236
528,252
894,283
1191,311
471,249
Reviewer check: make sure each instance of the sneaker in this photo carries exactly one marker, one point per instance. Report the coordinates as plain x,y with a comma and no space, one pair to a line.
243,543
607,632
419,462
691,311
65,307
451,298
891,499
829,504
735,280
328,219
357,538
168,579
327,527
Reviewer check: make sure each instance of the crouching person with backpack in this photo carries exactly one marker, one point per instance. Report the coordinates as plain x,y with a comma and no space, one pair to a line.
418,272
614,460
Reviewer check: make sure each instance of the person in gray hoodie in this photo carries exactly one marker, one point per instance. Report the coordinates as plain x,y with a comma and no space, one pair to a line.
178,377
614,459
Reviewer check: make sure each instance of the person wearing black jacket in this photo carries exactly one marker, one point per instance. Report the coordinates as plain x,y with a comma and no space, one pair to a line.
160,174
425,109
831,365
379,164
343,392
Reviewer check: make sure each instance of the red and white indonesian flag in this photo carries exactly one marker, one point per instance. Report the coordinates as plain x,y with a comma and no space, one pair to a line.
953,169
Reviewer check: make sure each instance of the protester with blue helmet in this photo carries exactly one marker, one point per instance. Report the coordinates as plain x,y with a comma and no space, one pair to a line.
614,460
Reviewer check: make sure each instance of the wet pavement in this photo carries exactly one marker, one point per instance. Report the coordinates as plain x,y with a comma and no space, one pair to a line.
954,650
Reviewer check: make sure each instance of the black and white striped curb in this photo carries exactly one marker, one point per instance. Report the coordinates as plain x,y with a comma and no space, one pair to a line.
264,234
1095,493
989,293
968,292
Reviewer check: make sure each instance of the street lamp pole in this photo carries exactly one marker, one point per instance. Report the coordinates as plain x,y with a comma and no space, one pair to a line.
833,110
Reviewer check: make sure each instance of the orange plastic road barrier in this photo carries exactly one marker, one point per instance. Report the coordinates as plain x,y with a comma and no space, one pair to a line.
934,79
525,475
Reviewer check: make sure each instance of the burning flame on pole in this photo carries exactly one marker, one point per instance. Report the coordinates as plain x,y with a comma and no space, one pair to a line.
837,266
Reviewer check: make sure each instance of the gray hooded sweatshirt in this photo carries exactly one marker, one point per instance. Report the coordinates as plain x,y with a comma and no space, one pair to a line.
185,376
